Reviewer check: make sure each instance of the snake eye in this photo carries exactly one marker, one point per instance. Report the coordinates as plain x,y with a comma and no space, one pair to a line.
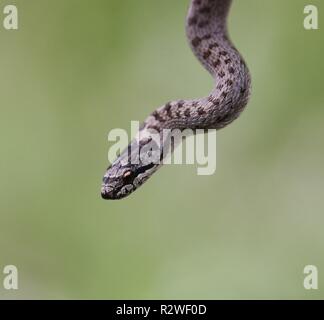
128,176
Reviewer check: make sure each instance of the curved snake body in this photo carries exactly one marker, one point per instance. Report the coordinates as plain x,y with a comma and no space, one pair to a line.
208,37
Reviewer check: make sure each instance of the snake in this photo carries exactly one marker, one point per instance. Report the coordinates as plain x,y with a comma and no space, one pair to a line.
207,33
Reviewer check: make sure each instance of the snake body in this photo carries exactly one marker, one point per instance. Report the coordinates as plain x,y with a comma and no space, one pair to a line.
206,29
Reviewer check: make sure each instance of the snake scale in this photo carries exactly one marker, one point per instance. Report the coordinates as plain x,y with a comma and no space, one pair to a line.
206,28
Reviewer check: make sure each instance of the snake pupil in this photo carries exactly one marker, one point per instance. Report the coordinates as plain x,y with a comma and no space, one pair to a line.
128,176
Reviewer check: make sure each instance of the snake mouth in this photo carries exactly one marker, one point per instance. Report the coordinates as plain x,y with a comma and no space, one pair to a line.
108,193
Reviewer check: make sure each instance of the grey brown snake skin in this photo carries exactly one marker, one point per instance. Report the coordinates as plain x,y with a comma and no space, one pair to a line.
207,33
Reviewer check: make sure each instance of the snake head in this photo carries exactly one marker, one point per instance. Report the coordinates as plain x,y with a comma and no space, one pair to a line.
124,176
118,182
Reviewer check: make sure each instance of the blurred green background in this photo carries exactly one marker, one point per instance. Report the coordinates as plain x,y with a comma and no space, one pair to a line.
75,70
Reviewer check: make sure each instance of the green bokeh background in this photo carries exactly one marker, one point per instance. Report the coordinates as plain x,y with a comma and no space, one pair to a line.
75,70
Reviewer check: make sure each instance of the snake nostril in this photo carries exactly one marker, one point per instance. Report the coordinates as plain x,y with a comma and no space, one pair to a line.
107,192
107,195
